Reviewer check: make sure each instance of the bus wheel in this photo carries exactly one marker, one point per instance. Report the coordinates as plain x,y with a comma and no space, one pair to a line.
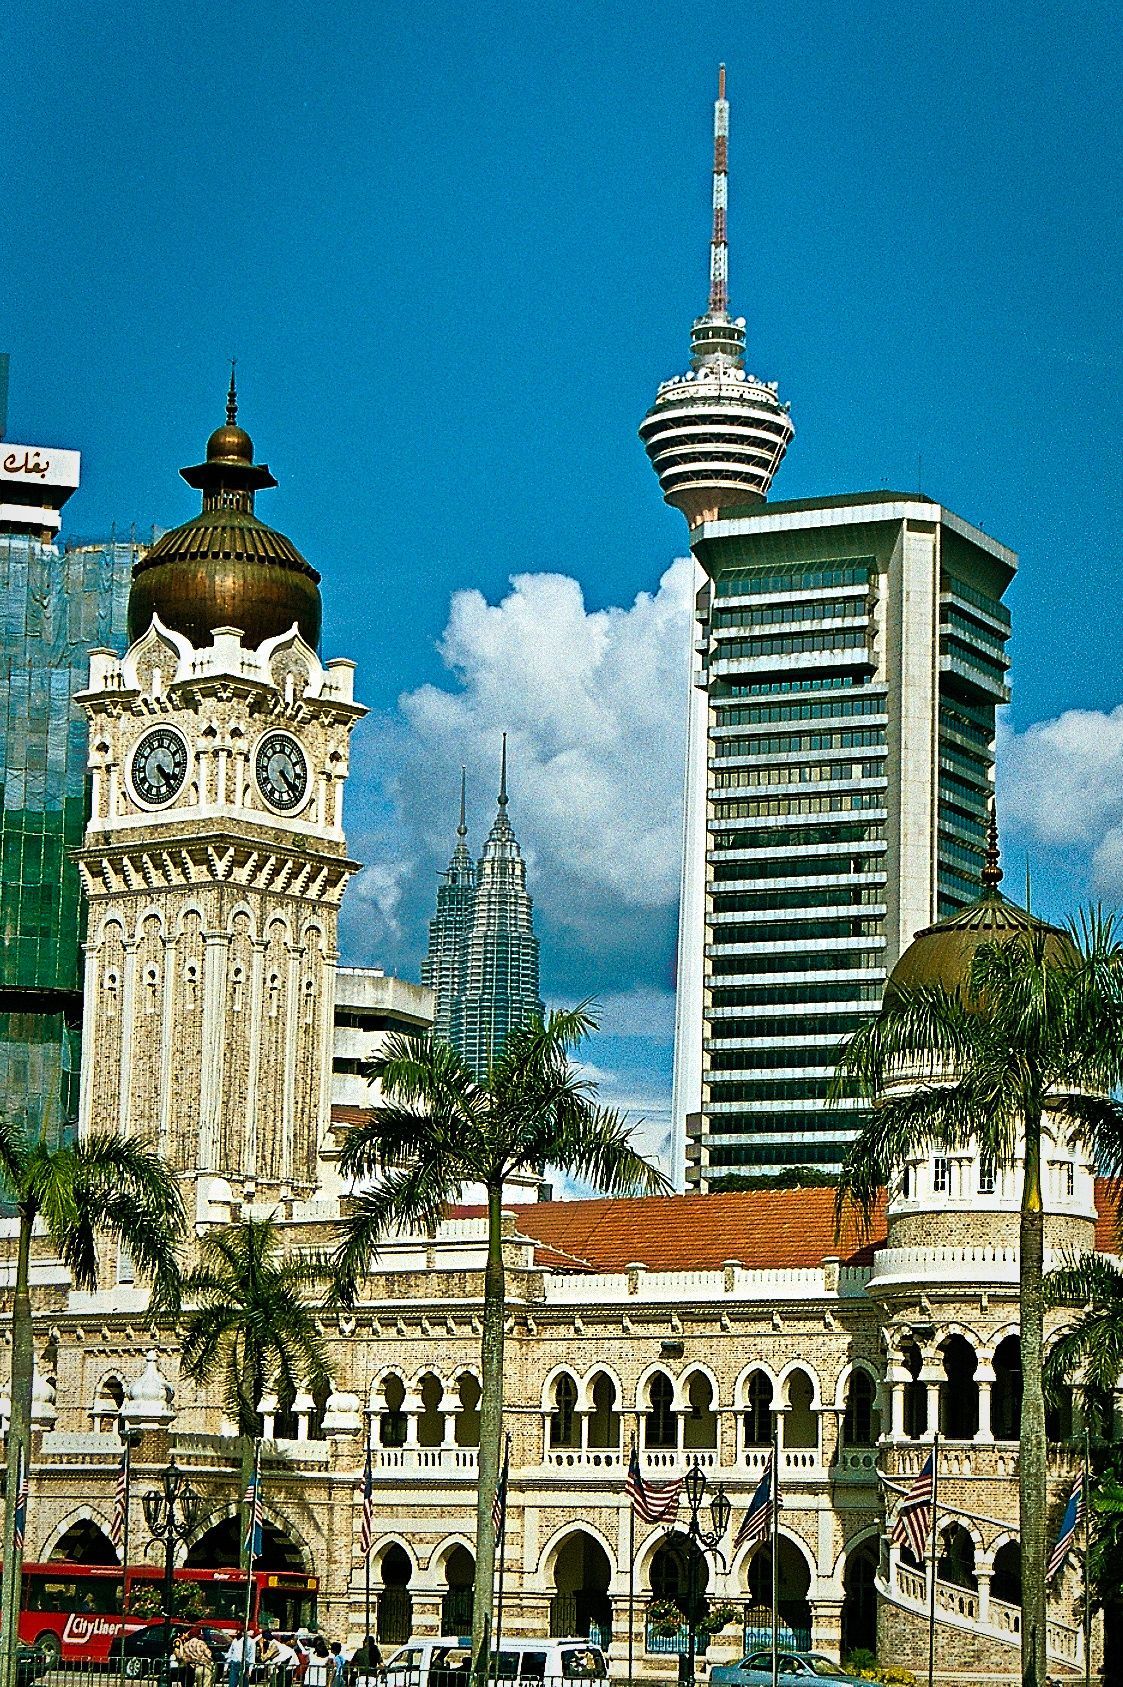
51,1647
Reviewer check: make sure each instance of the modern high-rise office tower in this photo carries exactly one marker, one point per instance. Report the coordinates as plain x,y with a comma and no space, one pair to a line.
482,964
58,603
849,656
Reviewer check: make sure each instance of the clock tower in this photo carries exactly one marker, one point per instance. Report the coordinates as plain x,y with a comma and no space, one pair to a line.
214,860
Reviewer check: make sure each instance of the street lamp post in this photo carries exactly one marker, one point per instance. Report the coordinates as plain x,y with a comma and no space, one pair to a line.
700,1540
171,1512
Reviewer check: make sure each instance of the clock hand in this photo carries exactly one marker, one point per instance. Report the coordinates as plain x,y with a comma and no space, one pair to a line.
288,782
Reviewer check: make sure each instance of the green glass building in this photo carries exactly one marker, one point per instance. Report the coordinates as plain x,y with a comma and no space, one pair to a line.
58,603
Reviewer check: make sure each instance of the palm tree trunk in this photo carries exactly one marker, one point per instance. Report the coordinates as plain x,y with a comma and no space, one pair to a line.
491,1426
1032,1472
19,1447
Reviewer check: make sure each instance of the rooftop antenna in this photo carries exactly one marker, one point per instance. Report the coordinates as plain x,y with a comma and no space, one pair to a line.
503,774
719,244
462,829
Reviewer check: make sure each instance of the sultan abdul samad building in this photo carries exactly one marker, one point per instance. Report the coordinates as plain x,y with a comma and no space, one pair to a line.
214,863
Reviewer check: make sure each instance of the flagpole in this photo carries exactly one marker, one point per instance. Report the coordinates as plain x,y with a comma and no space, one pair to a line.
632,1581
500,1546
1087,1577
255,1510
366,1555
775,1508
127,1457
932,1555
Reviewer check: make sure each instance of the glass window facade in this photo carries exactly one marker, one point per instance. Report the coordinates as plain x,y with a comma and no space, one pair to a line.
56,606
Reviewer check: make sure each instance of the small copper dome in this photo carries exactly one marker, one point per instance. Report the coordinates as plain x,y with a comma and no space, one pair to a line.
941,954
225,567
230,444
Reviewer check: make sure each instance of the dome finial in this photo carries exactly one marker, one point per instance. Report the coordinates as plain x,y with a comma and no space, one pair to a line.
992,868
232,397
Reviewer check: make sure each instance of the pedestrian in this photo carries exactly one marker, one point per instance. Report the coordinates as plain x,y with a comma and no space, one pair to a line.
195,1654
279,1658
236,1674
366,1663
320,1669
338,1665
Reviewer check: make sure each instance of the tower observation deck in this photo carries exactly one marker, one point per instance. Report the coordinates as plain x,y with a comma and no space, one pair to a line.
716,435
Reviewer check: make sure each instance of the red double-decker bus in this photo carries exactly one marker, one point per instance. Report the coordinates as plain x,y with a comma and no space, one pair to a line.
76,1611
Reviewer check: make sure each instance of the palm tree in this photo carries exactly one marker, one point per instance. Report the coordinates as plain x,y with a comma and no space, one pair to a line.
250,1323
106,1188
439,1128
1035,1028
1088,1351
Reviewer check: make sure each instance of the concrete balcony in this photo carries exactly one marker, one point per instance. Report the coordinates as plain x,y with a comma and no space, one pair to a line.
456,1462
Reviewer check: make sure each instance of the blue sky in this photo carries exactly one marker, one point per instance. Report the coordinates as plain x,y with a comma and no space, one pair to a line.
455,249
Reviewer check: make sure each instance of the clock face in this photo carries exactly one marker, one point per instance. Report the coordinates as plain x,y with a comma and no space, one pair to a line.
282,771
159,765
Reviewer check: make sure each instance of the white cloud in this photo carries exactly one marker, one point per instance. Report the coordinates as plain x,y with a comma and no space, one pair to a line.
594,704
1061,785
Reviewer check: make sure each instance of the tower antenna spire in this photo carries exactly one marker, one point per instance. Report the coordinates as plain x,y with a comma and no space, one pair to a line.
232,397
719,244
462,829
503,774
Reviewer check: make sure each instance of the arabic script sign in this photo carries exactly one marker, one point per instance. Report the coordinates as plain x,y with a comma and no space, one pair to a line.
39,465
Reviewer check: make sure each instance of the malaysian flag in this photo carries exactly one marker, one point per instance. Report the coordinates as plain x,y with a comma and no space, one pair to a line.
253,1541
499,1503
366,1532
757,1521
21,1502
1070,1522
120,1501
914,1520
654,1502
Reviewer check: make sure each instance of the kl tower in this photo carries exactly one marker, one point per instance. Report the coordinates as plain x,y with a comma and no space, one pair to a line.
716,435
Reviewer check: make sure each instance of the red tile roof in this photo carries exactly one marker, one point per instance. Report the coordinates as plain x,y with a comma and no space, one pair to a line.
1109,1194
763,1229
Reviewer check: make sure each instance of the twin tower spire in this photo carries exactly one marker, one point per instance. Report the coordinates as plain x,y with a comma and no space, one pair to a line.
482,962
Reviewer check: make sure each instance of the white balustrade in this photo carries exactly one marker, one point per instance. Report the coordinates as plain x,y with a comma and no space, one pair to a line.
450,1461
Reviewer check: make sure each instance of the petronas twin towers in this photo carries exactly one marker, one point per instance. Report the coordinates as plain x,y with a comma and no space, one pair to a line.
482,963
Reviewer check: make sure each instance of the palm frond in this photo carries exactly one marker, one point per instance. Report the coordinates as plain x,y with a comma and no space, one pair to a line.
411,1197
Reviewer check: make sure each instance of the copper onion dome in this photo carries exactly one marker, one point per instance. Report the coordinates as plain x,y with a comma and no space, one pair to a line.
225,568
941,954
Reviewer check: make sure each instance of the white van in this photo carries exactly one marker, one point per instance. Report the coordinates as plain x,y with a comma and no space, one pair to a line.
447,1662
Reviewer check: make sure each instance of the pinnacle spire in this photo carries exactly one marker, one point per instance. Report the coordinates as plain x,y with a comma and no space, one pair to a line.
232,397
992,866
503,774
462,828
719,243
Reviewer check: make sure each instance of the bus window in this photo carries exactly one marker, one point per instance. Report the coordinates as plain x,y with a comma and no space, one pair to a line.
95,1595
224,1602
287,1609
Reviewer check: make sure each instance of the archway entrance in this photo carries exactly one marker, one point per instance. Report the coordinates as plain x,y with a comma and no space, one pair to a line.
1006,1582
581,1604
793,1584
395,1603
84,1543
219,1548
456,1602
859,1605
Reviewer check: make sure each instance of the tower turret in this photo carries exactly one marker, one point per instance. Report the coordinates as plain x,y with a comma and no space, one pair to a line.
716,435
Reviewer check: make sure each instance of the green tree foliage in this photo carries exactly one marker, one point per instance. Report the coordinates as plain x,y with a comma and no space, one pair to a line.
1037,1027
106,1189
441,1128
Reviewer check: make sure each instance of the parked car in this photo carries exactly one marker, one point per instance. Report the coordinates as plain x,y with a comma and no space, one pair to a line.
805,1667
448,1663
144,1653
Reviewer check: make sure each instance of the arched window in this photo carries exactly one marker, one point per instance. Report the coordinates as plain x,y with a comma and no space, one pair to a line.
660,1425
700,1425
395,1604
430,1421
1006,1581
959,1393
956,1562
392,1421
1006,1399
859,1428
604,1419
467,1418
916,1395
801,1426
110,1399
563,1425
758,1416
